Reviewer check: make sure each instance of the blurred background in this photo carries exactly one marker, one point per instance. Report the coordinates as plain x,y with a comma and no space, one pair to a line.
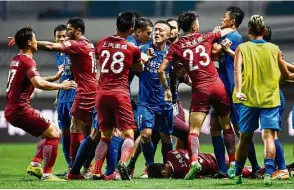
100,22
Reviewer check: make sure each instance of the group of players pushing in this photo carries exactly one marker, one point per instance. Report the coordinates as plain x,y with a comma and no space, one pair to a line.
159,113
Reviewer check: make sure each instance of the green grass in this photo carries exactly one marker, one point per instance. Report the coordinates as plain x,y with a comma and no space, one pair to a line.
14,159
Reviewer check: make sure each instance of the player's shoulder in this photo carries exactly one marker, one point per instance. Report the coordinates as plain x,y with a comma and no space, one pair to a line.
24,59
234,36
144,47
132,40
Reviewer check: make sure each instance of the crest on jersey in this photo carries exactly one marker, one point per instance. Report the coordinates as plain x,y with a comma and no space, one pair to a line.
67,43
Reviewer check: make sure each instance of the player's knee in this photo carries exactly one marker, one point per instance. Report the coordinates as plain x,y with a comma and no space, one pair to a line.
51,132
95,135
268,134
76,126
128,133
146,135
165,138
106,134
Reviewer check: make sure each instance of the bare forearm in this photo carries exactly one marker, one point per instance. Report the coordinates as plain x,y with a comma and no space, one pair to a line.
51,78
45,85
162,79
231,53
45,45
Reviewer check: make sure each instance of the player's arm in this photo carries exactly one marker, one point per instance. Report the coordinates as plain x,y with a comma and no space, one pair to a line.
42,84
290,67
56,76
238,62
50,46
161,73
56,99
216,51
283,65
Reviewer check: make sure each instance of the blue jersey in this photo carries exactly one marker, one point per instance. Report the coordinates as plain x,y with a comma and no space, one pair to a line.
226,66
133,40
65,95
151,91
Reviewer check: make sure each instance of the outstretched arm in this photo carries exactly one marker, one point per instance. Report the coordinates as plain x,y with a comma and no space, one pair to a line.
50,46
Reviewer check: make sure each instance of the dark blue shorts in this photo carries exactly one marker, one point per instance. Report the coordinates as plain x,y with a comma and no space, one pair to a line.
63,114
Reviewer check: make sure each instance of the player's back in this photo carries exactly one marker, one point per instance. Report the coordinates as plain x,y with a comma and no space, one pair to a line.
116,56
180,162
19,87
194,51
83,65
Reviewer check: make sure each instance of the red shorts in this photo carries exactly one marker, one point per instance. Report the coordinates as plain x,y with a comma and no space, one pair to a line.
114,109
82,108
214,95
28,119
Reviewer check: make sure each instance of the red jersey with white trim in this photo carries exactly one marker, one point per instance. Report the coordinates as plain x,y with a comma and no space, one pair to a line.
19,87
194,51
83,66
116,56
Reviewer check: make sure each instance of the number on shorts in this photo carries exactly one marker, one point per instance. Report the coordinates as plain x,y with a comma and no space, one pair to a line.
115,61
199,50
11,75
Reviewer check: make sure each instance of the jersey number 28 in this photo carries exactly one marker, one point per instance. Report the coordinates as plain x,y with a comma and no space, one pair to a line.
199,50
115,61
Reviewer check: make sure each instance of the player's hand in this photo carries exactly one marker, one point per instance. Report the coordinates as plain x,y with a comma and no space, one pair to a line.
11,41
226,44
168,95
150,53
241,96
68,84
216,29
60,71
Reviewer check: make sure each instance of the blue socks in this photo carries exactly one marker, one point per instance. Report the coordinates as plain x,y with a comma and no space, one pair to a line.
148,152
65,148
113,154
269,166
219,151
279,159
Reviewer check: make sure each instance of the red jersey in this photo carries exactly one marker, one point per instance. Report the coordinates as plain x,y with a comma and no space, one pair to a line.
194,51
116,56
179,161
19,87
83,66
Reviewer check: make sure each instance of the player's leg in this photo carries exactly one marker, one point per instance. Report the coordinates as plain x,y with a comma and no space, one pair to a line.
181,132
135,156
218,146
249,122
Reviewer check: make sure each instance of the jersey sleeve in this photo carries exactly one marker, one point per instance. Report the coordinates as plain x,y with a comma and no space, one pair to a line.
213,36
31,69
171,54
70,47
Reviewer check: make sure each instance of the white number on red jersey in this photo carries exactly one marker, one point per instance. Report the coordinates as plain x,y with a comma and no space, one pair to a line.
11,75
199,50
93,59
115,61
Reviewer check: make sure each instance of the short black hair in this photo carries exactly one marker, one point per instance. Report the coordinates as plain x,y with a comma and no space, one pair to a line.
163,22
186,20
135,13
154,171
257,25
142,23
173,19
267,36
237,14
23,35
59,28
77,22
125,21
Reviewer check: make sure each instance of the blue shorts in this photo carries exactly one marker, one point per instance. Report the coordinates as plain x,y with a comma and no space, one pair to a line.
250,116
95,124
234,115
64,117
281,110
158,118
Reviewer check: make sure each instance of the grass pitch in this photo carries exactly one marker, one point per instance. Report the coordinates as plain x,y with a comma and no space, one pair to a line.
14,159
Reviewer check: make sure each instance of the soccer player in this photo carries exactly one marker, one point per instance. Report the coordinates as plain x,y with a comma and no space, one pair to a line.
64,98
116,57
258,63
142,31
194,51
22,80
154,113
83,66
232,18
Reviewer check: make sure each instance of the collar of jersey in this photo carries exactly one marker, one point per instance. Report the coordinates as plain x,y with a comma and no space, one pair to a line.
162,51
262,41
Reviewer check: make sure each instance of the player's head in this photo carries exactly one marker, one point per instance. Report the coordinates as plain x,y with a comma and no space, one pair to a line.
143,29
161,31
267,36
75,28
256,26
25,39
188,21
60,33
158,170
232,18
175,27
125,22
135,13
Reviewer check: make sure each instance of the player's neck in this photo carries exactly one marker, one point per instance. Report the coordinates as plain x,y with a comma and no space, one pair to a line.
80,37
159,46
122,34
256,37
27,53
